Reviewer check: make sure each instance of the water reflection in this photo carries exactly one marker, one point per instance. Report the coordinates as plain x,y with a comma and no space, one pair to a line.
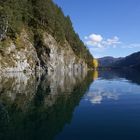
113,84
38,107
110,109
97,96
127,74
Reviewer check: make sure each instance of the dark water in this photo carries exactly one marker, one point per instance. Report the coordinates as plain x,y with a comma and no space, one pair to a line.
102,105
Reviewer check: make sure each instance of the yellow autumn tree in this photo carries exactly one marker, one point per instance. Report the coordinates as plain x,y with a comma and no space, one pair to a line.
95,63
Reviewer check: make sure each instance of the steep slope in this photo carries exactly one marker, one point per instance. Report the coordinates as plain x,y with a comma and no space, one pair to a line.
36,35
22,55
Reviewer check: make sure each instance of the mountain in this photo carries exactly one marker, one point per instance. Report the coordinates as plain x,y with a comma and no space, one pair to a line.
107,61
131,61
36,35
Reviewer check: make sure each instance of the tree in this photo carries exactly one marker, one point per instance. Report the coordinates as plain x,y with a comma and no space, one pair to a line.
41,16
95,63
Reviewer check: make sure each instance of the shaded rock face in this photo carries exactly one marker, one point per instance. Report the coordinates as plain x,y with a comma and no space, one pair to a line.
3,27
23,55
62,58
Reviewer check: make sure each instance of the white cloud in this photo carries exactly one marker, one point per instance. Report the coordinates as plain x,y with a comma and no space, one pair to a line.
96,40
112,41
100,46
95,44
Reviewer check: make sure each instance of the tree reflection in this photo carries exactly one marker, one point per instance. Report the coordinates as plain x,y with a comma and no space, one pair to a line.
39,107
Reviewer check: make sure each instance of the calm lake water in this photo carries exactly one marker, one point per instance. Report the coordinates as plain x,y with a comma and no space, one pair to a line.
102,105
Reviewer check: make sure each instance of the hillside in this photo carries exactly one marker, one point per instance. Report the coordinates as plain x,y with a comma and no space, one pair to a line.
131,61
107,61
37,35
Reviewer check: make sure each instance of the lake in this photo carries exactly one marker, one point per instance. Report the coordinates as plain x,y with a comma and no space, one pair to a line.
98,105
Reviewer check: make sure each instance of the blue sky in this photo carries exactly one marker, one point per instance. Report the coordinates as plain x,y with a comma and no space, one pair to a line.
108,27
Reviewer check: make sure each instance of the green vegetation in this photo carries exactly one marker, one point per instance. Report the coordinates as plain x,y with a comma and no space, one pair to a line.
41,15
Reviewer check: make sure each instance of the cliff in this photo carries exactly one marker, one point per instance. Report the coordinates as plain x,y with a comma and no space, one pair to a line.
37,36
21,55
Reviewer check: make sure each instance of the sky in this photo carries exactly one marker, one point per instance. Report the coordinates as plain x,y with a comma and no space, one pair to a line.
107,27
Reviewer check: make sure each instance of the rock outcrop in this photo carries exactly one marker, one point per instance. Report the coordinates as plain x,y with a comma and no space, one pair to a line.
22,54
38,36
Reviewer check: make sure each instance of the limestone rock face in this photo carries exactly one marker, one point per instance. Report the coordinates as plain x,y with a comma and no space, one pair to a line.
62,58
23,55
19,55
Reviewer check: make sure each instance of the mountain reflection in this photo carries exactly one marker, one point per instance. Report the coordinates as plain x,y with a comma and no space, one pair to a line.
38,107
131,75
111,85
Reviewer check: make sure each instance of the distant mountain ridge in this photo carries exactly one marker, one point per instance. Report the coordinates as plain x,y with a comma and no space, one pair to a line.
130,61
107,61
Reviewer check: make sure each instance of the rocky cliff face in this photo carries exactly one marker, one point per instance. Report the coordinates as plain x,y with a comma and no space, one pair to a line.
18,55
22,54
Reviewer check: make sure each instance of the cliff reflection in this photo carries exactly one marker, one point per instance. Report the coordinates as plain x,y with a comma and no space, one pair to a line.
34,107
